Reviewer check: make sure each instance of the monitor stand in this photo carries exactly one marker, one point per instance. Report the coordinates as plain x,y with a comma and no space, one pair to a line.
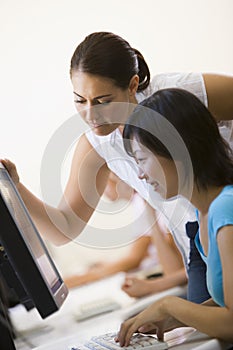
6,332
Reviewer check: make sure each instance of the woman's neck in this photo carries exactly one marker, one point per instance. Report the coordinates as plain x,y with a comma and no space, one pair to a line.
201,199
132,102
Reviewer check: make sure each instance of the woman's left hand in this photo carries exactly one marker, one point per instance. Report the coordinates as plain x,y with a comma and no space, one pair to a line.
153,319
136,287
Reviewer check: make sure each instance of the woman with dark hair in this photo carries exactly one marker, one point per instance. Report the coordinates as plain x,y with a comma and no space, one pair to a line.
206,179
109,77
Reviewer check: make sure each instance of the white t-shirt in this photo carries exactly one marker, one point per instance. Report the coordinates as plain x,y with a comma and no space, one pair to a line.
192,82
175,212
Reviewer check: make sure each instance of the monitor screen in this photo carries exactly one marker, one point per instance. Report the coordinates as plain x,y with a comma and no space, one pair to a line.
26,251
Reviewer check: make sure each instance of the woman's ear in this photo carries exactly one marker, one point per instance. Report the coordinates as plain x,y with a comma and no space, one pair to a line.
133,84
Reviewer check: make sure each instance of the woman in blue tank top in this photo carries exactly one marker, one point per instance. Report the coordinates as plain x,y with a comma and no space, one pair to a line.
180,152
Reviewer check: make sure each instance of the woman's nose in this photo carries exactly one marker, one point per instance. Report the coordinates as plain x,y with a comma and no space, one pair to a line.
141,174
90,115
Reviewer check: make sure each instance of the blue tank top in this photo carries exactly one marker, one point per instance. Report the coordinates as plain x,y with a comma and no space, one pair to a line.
220,214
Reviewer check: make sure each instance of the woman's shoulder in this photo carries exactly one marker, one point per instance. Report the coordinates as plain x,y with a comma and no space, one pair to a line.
225,194
191,81
221,210
223,203
170,79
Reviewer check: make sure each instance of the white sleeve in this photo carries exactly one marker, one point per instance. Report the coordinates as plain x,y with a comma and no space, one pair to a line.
192,82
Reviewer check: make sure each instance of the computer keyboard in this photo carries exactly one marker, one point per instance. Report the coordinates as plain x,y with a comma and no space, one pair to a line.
107,341
103,305
95,307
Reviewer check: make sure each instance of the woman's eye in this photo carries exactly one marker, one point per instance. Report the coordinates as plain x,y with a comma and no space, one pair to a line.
104,102
79,101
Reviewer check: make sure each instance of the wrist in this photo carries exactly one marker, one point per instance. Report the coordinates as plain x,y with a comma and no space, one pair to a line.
167,305
19,186
149,287
168,309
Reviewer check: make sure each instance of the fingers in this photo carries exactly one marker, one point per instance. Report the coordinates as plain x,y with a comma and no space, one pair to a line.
11,168
128,285
136,287
160,334
128,282
8,165
5,162
127,329
148,328
144,322
132,325
130,291
152,328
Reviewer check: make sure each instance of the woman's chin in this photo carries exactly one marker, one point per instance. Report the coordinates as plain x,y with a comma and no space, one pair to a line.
104,130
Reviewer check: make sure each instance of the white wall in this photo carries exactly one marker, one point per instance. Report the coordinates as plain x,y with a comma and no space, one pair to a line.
38,38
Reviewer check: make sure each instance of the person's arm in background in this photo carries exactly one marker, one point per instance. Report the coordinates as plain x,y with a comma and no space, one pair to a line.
174,273
132,260
168,253
219,89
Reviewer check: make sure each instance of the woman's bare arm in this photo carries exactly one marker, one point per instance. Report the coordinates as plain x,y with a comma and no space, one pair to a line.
131,260
208,318
86,183
219,90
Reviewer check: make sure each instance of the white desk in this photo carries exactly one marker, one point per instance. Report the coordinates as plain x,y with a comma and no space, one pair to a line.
60,331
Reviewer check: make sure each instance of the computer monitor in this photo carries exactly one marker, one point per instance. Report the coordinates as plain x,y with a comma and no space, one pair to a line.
25,252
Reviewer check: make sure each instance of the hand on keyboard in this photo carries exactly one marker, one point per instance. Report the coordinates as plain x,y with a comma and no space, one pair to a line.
107,342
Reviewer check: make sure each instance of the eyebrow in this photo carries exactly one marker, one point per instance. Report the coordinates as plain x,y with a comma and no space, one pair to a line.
95,98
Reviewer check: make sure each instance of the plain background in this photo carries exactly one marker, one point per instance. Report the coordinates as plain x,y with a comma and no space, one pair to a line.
37,41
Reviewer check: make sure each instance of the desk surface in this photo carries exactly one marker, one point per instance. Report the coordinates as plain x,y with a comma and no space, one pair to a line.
60,330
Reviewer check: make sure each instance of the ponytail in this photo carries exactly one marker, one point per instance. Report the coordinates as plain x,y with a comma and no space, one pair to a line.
143,72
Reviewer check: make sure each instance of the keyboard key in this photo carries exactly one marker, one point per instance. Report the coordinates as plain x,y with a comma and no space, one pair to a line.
138,341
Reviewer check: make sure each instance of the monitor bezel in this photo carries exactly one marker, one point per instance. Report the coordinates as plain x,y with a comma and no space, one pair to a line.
24,262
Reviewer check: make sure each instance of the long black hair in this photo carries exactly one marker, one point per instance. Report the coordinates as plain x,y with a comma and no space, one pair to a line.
110,56
210,155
